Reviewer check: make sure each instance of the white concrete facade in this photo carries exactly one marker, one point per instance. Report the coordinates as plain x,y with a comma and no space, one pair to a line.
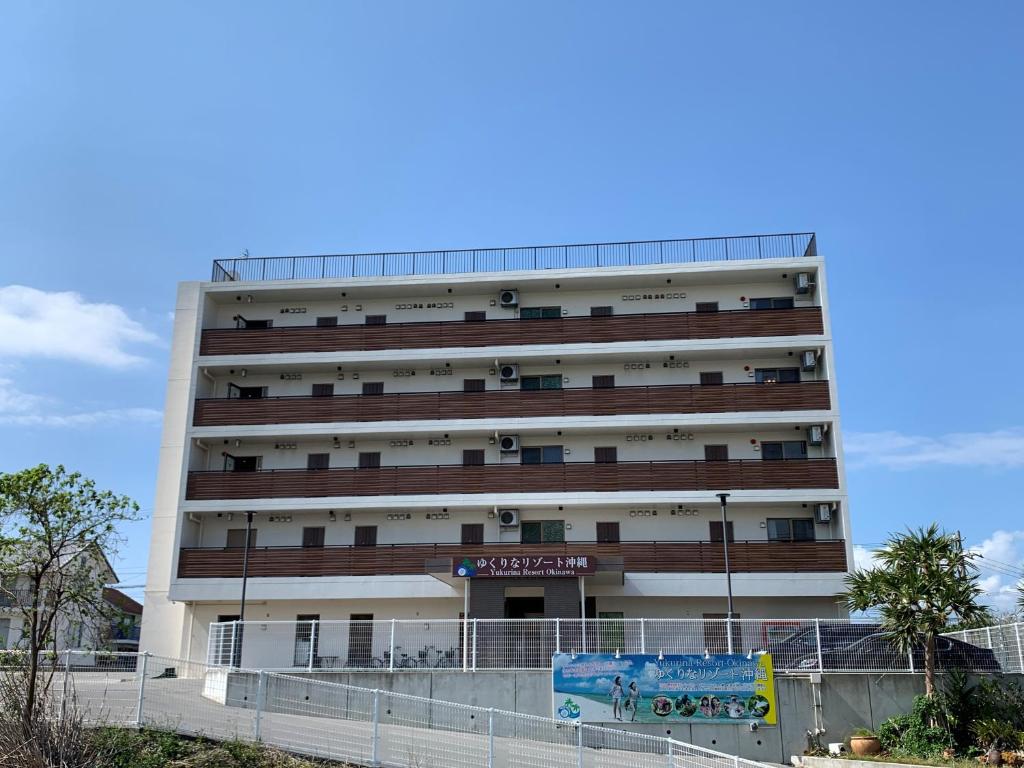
179,606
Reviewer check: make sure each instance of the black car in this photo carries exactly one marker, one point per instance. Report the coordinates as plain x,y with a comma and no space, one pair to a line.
787,653
876,651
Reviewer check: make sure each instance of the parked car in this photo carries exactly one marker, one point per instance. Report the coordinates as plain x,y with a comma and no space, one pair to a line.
876,651
787,653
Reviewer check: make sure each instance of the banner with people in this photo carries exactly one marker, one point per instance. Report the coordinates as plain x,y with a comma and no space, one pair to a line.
644,688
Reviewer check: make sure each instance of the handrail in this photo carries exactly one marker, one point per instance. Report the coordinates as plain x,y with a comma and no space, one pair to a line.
567,545
581,255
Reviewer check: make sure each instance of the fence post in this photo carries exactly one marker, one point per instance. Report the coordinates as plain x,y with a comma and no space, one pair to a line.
64,687
474,645
670,763
490,737
375,757
391,648
728,633
579,744
312,643
558,635
910,658
817,642
1020,650
261,695
465,642
236,656
643,637
142,688
736,761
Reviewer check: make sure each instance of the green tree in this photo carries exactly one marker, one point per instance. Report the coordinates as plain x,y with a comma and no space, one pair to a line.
56,530
922,581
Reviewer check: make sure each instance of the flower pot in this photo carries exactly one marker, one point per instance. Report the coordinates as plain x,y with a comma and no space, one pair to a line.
865,745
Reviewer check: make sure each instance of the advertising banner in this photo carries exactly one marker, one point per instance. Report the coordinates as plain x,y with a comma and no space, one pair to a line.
635,688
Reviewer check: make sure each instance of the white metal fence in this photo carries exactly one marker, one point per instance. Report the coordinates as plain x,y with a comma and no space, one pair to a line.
1004,640
797,645
348,723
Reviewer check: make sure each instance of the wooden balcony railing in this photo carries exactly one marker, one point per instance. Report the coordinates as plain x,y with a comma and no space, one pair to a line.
402,559
672,398
515,478
564,330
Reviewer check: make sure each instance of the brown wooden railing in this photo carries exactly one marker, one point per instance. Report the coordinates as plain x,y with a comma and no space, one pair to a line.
401,559
564,330
496,403
516,478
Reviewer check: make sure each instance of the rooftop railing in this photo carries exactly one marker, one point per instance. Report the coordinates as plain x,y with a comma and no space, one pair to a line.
634,253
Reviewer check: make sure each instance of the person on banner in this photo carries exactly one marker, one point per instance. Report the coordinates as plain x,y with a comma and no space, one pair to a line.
616,694
633,700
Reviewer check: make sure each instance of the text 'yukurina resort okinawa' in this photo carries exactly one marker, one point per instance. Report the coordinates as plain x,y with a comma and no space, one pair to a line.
450,458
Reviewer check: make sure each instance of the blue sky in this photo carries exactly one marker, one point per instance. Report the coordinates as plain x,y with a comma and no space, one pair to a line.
138,142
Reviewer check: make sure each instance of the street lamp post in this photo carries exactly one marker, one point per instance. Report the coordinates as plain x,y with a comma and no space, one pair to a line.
240,626
728,574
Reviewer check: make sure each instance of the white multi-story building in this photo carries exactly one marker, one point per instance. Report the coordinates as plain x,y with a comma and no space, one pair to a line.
386,418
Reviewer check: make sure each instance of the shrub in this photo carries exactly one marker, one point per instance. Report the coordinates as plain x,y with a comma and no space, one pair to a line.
913,735
1002,734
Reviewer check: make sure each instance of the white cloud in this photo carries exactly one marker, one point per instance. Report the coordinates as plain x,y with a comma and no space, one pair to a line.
863,557
894,450
22,409
1002,554
63,325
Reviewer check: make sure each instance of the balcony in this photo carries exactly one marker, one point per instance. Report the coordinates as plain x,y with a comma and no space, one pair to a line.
411,559
693,250
565,330
672,398
574,477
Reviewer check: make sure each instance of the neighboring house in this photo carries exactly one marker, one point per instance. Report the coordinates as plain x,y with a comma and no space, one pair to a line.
388,417
125,621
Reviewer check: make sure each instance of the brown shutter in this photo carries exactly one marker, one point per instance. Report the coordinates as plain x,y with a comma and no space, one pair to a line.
474,385
236,538
313,537
473,457
366,535
603,382
369,460
472,533
373,387
606,455
710,377
716,530
607,533
716,453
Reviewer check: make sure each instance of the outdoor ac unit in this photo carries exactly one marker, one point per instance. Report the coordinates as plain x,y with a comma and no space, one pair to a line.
509,372
809,359
803,283
823,513
509,298
508,443
508,518
816,434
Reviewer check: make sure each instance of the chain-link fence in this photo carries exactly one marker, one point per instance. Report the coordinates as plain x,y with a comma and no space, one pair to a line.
796,645
343,722
1004,640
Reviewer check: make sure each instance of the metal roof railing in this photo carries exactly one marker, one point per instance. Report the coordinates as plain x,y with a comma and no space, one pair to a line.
635,253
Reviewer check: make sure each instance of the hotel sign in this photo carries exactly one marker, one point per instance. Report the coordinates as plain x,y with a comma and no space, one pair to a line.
513,566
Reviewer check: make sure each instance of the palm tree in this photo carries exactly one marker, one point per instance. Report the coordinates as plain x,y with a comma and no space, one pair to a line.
922,580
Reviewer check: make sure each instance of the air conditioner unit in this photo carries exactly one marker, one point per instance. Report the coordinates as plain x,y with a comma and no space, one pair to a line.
508,443
803,283
508,518
823,513
816,434
809,359
508,372
509,298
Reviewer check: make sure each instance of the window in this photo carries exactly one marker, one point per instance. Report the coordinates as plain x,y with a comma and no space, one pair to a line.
607,533
716,453
236,538
601,311
708,378
542,532
776,375
326,322
547,381
778,302
473,457
236,392
323,390
241,322
474,385
790,529
785,449
608,455
373,387
313,538
715,529
366,536
542,454
472,533
539,313
475,317
318,461
369,460
707,306
603,382
376,319
242,463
